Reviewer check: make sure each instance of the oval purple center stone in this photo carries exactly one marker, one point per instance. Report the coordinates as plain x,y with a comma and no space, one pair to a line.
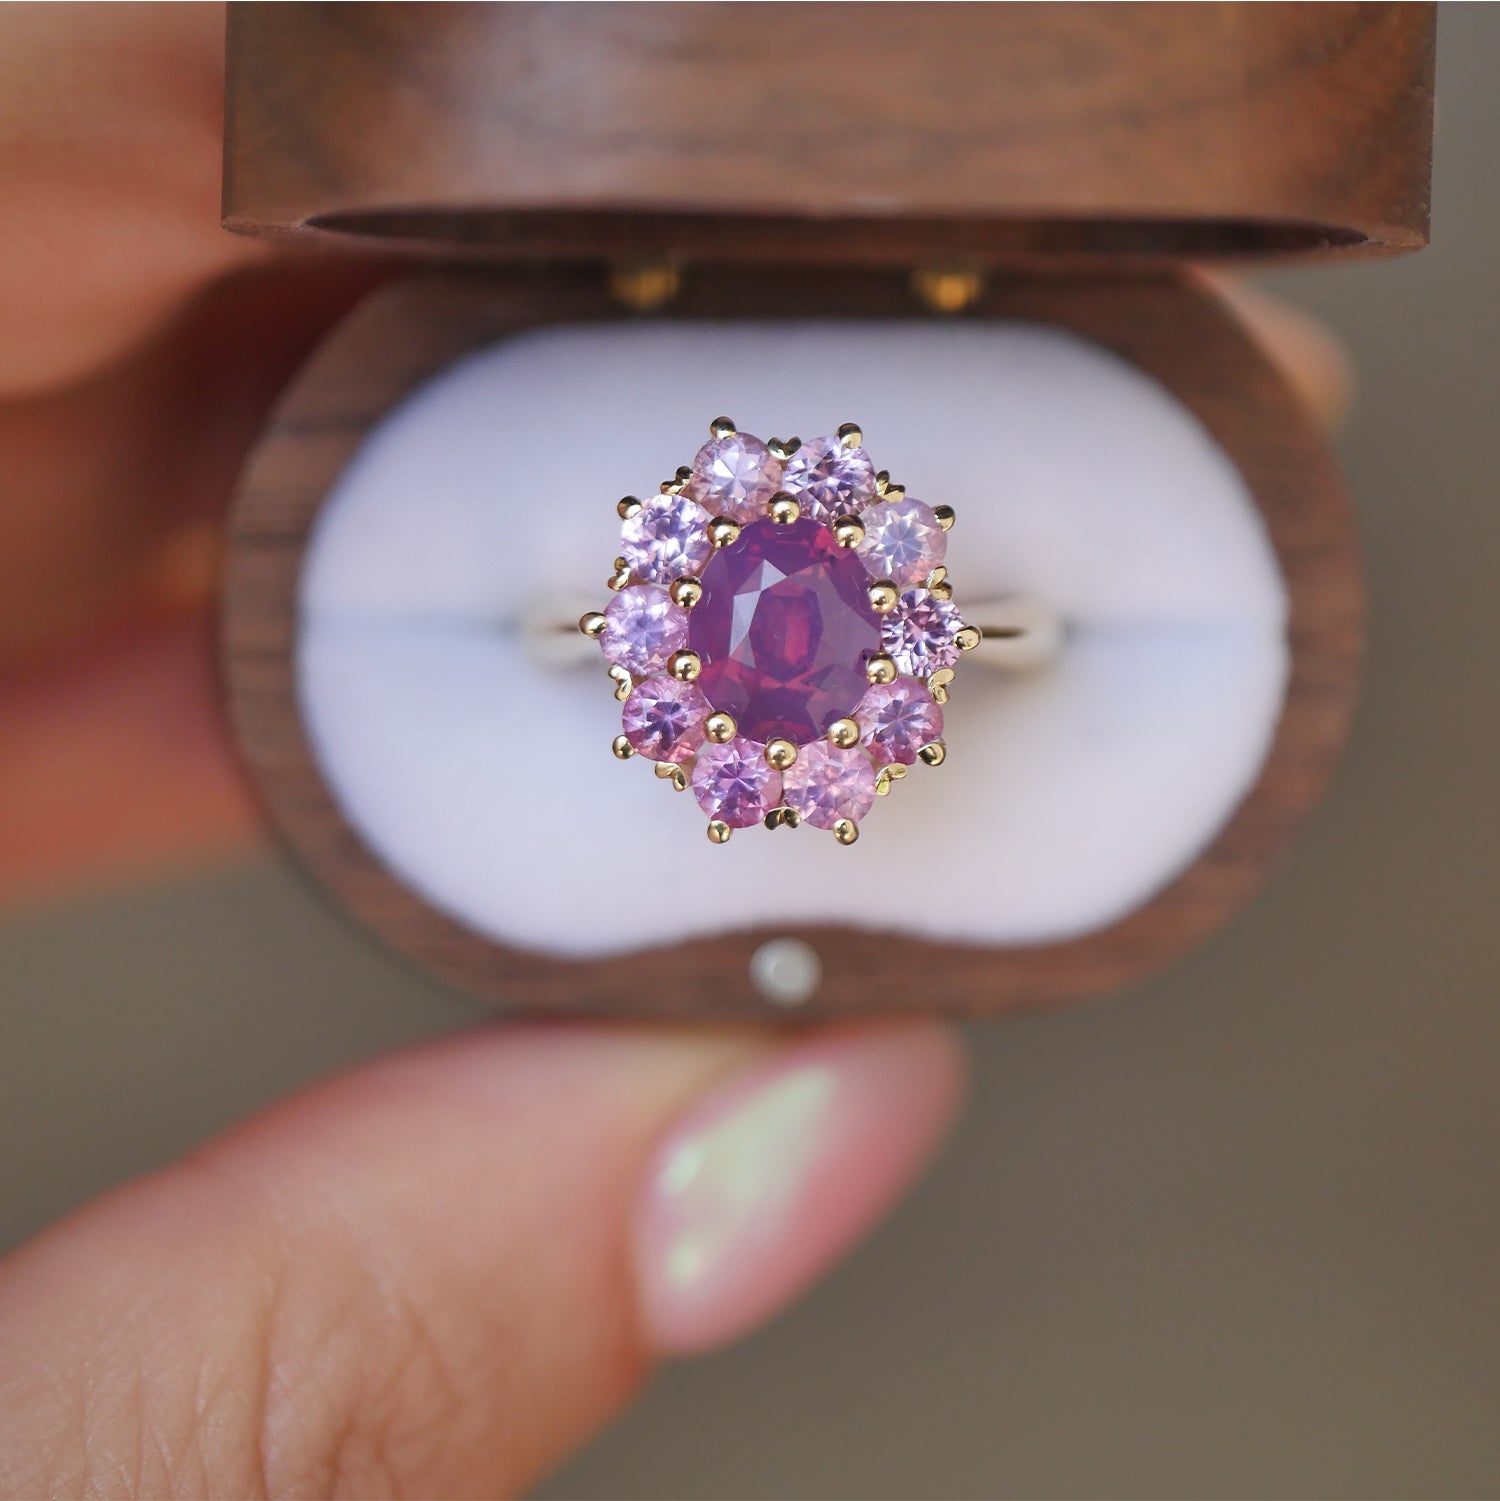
783,630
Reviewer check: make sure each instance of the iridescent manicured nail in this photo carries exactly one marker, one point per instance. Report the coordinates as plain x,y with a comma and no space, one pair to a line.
765,1182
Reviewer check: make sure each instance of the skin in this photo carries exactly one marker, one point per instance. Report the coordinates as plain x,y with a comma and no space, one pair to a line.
382,1286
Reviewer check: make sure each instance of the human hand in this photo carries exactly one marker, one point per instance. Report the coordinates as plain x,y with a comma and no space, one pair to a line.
437,1274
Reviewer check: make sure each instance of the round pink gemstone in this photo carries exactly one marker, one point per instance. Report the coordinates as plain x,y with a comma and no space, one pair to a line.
825,784
903,541
642,628
735,783
828,479
918,634
666,539
783,630
663,719
735,477
898,719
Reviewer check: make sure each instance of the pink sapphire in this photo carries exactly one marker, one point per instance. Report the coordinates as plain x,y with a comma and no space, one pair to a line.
735,783
898,719
826,784
918,633
666,539
828,479
783,629
663,719
903,541
735,477
642,628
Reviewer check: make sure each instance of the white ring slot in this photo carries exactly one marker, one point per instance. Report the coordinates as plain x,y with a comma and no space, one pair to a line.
1070,795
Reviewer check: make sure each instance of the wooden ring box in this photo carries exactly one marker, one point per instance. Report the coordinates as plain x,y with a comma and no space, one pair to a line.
1072,158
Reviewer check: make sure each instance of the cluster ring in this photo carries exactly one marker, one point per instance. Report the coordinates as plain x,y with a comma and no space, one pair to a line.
782,635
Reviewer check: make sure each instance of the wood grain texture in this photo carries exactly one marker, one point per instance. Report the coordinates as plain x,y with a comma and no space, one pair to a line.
874,134
1169,326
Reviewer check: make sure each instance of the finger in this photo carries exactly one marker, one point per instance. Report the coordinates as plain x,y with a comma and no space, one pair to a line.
121,413
1310,354
111,143
437,1275
120,765
114,759
100,476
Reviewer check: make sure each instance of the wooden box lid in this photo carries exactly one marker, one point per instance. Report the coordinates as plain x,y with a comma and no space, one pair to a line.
875,134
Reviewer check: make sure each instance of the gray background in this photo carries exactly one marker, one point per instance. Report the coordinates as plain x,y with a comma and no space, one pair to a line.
1235,1232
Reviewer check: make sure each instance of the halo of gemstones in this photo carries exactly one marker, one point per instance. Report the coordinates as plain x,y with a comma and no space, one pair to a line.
782,634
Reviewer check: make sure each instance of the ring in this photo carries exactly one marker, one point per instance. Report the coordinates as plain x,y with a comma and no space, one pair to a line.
783,634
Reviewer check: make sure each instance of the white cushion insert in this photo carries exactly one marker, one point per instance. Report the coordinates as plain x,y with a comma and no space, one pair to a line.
1069,796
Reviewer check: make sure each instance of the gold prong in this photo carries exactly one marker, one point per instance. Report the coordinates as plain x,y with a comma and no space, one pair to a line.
944,516
722,427
939,693
782,817
780,753
622,748
783,509
844,733
882,481
620,577
967,638
848,531
720,728
880,669
850,435
628,506
884,596
686,591
621,679
943,591
674,486
846,831
593,623
684,665
673,774
893,491
941,678
718,831
884,782
939,575
934,754
783,448
723,532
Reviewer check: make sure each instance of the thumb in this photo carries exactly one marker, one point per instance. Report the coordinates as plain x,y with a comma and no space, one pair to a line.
438,1274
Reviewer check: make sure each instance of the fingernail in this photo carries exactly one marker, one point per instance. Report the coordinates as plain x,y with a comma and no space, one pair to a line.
764,1183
